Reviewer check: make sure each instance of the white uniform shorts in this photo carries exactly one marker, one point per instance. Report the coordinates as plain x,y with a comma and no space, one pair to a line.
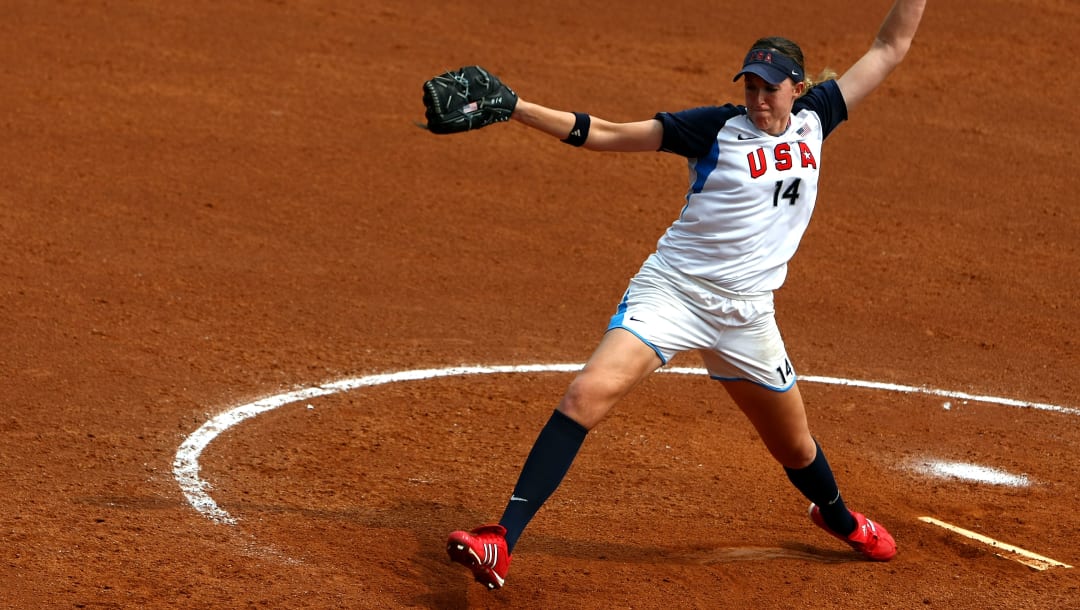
736,334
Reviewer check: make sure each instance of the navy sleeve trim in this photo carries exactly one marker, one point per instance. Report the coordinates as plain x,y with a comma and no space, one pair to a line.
692,133
827,101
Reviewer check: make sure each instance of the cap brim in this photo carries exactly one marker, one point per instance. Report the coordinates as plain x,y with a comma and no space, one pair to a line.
771,74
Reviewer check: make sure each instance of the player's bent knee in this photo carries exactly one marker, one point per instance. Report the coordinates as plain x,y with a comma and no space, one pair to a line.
586,402
795,455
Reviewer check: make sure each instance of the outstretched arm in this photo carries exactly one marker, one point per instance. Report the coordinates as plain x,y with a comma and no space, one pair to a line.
891,44
640,136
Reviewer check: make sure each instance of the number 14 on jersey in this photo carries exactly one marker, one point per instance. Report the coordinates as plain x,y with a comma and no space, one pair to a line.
791,193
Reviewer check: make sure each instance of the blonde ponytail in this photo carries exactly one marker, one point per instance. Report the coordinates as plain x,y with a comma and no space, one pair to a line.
824,75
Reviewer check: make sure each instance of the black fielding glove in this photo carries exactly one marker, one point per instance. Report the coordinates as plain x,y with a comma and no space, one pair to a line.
469,98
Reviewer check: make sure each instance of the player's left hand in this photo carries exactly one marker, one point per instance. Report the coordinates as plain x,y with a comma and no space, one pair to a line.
469,98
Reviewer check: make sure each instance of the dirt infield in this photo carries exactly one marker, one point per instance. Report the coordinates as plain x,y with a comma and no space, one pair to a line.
203,204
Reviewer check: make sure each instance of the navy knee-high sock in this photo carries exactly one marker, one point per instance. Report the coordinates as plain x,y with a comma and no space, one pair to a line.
818,484
548,462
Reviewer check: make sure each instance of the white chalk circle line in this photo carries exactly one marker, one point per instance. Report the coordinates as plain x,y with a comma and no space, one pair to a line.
196,490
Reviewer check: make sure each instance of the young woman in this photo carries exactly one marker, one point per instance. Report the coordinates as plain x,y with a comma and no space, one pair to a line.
709,285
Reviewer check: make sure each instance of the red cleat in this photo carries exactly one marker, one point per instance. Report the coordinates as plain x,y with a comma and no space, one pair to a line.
483,550
869,538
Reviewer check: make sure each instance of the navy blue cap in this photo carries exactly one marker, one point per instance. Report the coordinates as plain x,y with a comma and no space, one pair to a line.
771,65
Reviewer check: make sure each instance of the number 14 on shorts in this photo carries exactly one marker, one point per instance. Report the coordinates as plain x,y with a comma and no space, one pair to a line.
786,372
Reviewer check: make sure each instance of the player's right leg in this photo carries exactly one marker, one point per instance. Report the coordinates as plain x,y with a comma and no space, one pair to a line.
619,363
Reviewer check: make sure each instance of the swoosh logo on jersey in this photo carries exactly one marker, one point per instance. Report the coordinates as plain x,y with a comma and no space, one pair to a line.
633,319
743,136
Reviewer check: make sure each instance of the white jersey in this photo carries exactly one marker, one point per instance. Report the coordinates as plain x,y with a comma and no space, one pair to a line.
751,194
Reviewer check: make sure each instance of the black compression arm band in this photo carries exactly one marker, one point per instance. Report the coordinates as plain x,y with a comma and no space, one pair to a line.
580,132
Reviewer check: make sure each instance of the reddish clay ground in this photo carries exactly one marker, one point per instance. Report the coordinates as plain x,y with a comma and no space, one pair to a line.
203,203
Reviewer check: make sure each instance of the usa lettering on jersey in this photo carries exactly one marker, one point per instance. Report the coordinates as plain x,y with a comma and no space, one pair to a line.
782,160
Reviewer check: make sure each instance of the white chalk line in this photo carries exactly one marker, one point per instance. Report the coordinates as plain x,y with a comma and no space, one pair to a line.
970,472
1032,560
196,490
186,462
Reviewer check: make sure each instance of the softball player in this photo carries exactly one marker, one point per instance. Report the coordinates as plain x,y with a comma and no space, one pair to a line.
708,286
